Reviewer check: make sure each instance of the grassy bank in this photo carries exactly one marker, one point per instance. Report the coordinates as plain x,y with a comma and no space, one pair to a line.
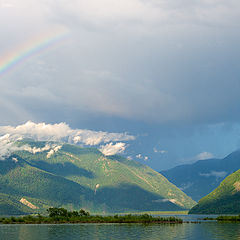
61,215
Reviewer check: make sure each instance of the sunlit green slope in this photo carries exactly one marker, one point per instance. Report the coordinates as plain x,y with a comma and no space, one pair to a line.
225,199
76,177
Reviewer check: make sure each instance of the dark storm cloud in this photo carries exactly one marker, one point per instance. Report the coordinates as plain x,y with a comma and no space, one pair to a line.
161,61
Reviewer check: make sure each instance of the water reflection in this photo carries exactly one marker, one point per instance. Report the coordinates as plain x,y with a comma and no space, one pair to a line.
91,231
223,230
203,231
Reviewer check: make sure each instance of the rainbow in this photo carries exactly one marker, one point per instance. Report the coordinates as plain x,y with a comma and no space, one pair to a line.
36,46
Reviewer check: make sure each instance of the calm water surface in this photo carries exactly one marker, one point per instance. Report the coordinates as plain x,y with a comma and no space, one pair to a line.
198,231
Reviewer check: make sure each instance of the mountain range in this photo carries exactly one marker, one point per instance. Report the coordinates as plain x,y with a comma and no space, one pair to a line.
202,177
39,175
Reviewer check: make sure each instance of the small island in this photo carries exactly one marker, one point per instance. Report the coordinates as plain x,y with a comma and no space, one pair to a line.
225,218
61,216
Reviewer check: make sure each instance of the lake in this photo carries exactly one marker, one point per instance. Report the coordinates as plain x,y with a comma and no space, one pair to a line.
198,231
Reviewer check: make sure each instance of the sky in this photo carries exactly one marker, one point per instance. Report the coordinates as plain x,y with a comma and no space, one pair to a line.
164,72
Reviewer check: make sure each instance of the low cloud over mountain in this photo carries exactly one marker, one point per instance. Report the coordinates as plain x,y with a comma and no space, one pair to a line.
111,143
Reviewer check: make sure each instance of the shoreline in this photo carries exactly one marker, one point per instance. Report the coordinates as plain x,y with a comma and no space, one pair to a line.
131,219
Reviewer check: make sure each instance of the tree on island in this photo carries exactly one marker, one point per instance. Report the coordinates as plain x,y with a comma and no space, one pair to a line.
62,212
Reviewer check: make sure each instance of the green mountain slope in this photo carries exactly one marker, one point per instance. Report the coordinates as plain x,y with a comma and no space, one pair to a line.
76,177
225,199
21,180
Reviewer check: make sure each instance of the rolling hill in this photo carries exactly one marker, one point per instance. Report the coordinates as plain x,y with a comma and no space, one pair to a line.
225,199
202,177
44,174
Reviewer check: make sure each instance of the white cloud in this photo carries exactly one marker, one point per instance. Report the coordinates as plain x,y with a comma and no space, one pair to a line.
217,174
159,151
35,150
200,156
204,156
112,149
61,133
51,148
146,158
140,156
7,147
54,150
